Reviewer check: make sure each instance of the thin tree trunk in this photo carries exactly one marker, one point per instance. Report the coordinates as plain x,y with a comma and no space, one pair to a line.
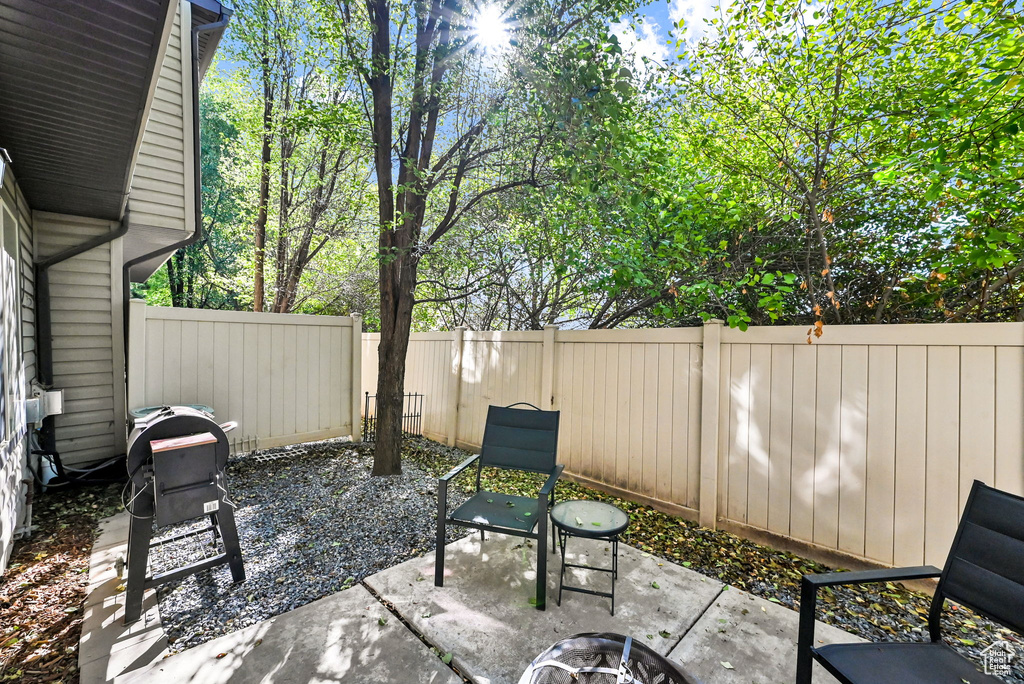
173,280
260,227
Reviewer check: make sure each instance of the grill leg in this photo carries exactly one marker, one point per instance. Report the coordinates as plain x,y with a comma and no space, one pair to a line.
225,522
140,531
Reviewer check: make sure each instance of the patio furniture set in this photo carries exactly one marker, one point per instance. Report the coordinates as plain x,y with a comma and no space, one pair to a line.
984,571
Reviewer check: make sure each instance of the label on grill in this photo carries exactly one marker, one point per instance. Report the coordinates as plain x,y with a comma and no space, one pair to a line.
211,506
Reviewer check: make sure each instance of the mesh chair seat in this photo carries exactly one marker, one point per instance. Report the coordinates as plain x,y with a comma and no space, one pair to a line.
984,572
916,663
499,510
514,439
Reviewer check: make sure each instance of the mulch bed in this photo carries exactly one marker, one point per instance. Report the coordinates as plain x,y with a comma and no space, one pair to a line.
43,589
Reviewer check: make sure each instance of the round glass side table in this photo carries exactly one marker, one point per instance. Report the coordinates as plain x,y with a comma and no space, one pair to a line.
589,520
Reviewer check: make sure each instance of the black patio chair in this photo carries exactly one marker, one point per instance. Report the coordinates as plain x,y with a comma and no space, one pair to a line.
514,439
984,572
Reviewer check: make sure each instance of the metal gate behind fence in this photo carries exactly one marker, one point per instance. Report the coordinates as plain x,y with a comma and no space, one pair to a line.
412,416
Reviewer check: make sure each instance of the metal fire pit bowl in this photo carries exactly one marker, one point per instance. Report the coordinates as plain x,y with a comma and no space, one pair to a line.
602,659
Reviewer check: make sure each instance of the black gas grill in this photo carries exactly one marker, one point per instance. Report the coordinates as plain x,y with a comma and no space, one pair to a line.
176,460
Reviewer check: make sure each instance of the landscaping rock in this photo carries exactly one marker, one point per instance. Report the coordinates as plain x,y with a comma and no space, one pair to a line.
311,523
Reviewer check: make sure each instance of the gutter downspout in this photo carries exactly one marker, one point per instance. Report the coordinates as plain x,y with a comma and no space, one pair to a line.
44,327
197,234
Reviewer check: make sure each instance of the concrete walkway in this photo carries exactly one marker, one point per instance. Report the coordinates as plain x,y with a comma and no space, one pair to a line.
482,616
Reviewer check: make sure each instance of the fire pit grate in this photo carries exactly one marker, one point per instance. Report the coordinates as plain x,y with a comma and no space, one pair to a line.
602,659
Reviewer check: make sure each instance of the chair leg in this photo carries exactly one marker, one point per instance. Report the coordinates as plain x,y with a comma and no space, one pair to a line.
805,633
481,536
542,563
442,512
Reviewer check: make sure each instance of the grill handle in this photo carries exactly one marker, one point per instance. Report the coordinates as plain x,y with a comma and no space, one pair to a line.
229,426
185,488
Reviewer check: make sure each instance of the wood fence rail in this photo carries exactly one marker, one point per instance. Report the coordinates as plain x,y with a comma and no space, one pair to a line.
864,443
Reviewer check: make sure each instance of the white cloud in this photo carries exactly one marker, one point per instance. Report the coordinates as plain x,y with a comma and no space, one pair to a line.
693,13
642,40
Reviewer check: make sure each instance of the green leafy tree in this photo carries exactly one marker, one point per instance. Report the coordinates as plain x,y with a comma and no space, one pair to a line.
452,125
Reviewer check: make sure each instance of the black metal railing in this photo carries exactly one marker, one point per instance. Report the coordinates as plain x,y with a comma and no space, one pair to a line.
412,416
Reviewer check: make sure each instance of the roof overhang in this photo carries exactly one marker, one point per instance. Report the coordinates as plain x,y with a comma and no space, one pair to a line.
74,94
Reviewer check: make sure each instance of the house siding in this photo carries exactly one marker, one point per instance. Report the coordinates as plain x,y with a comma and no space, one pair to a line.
86,321
161,195
15,477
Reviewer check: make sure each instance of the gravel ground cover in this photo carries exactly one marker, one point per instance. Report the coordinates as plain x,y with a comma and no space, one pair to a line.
311,523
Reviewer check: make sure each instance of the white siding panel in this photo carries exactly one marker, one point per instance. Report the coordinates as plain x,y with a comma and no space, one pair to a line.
81,302
158,196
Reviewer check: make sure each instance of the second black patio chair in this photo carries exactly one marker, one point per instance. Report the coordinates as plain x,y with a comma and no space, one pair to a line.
514,439
984,572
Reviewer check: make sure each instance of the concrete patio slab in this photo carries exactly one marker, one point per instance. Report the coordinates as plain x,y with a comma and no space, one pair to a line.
347,637
757,638
107,646
483,616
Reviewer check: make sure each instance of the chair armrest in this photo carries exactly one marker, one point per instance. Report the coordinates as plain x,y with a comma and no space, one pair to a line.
457,470
552,479
809,598
832,579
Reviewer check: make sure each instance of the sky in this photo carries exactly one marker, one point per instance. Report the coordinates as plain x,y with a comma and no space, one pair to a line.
649,38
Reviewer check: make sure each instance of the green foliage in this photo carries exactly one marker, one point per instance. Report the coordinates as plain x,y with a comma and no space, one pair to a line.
834,163
207,273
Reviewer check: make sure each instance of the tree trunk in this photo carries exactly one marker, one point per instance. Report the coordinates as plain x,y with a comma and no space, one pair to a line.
394,343
260,228
174,279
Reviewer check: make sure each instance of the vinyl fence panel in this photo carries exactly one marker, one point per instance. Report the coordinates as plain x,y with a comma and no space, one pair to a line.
285,378
863,443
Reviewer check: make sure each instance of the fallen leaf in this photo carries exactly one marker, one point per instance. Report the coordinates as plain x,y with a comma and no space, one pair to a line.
221,655
382,621
655,585
665,634
447,658
727,665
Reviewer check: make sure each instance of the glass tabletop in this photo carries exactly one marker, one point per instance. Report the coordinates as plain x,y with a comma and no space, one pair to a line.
589,518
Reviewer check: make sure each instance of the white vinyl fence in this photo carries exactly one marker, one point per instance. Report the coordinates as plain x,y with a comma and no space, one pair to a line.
285,378
865,442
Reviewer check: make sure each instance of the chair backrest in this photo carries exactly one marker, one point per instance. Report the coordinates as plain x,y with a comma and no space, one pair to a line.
985,568
520,439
